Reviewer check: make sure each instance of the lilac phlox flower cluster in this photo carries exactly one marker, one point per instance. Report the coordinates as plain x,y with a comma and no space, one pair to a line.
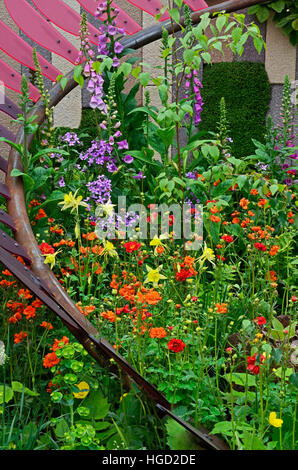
193,86
100,153
192,175
100,190
71,139
108,224
261,166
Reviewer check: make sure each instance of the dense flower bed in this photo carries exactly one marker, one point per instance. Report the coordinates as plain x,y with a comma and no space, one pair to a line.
213,325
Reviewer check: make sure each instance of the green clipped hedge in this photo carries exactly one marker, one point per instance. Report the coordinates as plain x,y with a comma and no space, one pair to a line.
246,89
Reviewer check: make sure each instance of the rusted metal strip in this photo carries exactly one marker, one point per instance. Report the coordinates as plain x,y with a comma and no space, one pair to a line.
65,17
37,28
13,247
123,20
7,220
14,46
7,106
6,133
3,164
4,191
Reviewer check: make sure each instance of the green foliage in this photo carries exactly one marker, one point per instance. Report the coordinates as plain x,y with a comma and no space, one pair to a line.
246,90
285,16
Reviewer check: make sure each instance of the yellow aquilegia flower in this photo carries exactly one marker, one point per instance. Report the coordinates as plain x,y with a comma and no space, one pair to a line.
72,201
208,255
51,258
274,421
84,390
109,249
154,275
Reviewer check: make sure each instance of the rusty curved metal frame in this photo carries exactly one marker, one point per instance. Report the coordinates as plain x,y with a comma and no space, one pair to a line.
78,325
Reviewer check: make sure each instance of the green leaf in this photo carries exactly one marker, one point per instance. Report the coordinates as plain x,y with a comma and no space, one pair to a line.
144,78
27,180
97,404
263,14
278,5
7,391
18,387
126,68
294,379
188,56
258,43
61,428
179,438
236,34
175,14
240,378
220,22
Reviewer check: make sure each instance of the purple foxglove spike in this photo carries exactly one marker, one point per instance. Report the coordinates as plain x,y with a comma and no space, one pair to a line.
7,134
65,17
123,20
37,28
14,46
13,79
9,107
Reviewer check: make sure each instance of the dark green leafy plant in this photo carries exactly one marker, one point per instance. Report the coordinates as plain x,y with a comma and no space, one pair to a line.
246,105
285,16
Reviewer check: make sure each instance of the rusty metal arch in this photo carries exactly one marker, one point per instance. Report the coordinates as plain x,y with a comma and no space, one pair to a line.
37,276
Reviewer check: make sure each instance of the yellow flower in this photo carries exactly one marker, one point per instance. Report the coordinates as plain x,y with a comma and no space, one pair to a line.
274,421
109,249
123,396
155,241
51,258
105,209
208,255
72,202
84,390
154,275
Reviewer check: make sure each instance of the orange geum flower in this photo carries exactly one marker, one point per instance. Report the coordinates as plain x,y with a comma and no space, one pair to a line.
50,360
273,250
109,315
25,294
59,343
18,337
221,308
46,325
29,312
6,273
215,219
262,202
157,333
254,192
37,303
41,214
244,203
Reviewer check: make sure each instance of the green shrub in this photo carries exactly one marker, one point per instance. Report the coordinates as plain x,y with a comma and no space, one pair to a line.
246,89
